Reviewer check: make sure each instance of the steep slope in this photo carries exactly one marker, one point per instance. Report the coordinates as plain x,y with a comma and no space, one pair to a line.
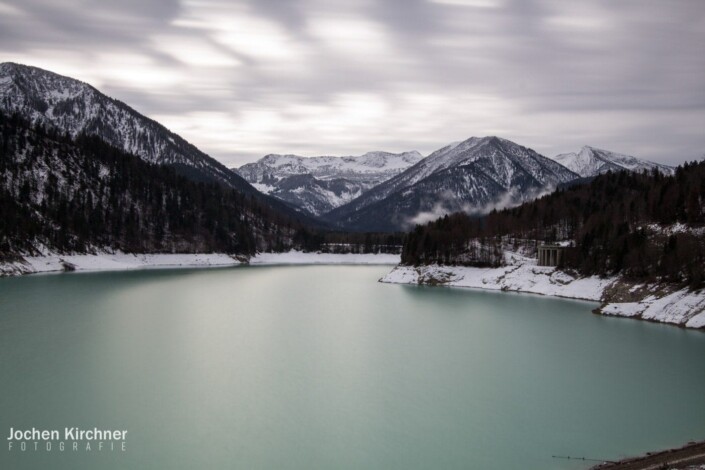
320,184
475,175
77,195
76,107
591,161
314,196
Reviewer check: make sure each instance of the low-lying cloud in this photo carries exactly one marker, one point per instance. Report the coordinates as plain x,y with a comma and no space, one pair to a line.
446,204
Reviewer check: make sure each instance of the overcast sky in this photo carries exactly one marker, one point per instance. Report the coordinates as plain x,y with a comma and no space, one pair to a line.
314,77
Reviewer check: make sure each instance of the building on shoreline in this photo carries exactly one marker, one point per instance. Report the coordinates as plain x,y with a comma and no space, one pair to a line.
550,254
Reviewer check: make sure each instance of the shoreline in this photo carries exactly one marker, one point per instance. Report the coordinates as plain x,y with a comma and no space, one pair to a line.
294,257
53,263
687,457
655,303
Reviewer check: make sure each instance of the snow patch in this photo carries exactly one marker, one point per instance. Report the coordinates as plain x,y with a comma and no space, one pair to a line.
263,188
114,262
623,309
682,307
522,278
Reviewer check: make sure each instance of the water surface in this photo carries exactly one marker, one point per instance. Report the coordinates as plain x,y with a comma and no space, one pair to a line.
323,367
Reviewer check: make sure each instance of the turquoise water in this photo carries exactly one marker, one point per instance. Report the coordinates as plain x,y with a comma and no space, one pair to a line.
323,367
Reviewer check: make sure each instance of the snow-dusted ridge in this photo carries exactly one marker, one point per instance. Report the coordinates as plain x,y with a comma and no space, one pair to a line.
591,161
75,107
680,307
474,176
320,184
380,165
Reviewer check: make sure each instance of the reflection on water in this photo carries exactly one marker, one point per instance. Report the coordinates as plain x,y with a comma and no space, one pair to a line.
323,367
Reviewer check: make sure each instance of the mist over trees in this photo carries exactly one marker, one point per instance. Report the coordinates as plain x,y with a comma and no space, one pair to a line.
646,226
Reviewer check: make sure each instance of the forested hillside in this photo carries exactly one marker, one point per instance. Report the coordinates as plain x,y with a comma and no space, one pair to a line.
81,194
77,108
643,225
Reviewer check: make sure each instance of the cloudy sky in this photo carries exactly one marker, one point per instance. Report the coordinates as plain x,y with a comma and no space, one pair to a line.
312,77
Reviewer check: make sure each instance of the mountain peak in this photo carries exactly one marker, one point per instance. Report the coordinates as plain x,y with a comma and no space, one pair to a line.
593,149
472,175
592,161
14,66
39,75
320,184
75,107
8,67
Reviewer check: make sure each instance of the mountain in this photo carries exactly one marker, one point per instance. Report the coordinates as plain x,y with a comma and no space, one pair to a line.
77,108
644,227
320,184
473,176
591,161
77,195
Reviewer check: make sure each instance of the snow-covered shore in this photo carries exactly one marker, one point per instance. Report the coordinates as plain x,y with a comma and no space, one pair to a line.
113,262
104,261
522,278
300,257
679,307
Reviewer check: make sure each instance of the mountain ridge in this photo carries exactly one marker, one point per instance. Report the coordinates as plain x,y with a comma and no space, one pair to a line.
470,175
320,184
77,107
592,161
78,195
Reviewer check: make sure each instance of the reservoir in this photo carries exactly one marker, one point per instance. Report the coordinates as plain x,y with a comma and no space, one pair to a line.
322,367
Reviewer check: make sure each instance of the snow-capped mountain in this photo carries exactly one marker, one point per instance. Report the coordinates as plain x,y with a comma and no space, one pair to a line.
76,107
591,161
320,184
475,175
77,195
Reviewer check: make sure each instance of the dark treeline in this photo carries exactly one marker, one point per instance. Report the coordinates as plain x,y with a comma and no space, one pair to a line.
350,242
619,223
74,195
77,195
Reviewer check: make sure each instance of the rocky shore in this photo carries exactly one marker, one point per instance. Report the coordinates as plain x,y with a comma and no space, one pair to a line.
652,302
689,457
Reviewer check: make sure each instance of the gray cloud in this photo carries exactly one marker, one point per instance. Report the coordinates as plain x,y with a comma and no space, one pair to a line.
242,79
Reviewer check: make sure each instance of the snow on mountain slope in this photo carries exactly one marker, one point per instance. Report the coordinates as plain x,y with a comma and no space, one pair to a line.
372,166
475,175
76,107
320,184
591,161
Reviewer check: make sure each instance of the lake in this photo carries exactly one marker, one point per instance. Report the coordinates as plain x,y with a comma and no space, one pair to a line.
322,367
